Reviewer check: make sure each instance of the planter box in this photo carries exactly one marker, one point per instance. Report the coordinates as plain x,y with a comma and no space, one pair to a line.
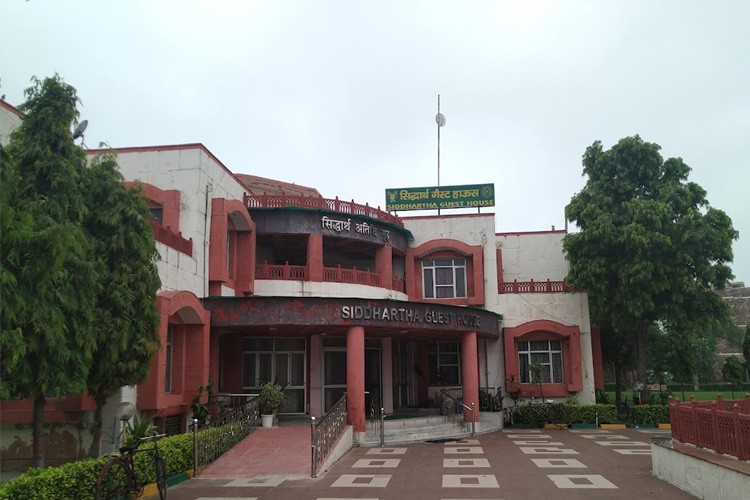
556,426
613,426
584,426
642,426
663,426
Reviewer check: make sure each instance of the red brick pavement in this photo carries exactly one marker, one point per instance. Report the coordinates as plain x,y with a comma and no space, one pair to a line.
267,451
493,466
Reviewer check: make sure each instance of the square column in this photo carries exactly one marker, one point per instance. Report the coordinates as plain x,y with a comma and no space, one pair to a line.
355,378
470,374
387,375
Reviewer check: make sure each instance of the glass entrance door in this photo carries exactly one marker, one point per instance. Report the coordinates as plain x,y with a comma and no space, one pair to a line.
400,363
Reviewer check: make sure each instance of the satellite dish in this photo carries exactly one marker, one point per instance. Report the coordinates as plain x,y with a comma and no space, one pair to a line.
440,119
80,128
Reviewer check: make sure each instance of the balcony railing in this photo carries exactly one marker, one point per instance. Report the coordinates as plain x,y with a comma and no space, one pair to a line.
535,287
338,274
722,426
310,202
344,275
171,239
268,271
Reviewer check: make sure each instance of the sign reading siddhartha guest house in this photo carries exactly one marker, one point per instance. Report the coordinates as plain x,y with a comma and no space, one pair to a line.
440,197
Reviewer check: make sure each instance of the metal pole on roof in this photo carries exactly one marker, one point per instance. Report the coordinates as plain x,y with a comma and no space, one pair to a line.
440,120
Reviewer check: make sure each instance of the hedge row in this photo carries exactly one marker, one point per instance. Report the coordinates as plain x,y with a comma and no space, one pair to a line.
541,413
78,479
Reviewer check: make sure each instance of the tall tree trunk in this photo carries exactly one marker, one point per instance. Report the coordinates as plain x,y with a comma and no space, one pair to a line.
618,382
641,353
37,432
101,400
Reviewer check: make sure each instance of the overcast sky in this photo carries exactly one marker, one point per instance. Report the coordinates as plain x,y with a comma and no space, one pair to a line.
342,95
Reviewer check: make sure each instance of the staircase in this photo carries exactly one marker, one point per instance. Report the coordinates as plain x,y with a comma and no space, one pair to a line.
416,425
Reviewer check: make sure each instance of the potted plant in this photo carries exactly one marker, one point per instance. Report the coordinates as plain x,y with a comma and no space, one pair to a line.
270,400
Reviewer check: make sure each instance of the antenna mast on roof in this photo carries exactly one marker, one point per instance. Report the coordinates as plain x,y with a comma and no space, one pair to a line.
440,120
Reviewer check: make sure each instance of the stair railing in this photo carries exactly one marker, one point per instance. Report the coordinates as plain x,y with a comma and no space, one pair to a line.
450,409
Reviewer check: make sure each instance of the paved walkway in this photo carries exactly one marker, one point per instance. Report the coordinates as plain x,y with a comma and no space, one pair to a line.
508,465
284,450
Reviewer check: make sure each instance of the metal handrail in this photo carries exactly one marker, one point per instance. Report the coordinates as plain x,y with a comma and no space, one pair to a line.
326,432
469,408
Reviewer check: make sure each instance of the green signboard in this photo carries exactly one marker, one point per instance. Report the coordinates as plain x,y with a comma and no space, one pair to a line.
438,197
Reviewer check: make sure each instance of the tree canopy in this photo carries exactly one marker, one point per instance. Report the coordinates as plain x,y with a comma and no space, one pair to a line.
77,272
126,316
649,246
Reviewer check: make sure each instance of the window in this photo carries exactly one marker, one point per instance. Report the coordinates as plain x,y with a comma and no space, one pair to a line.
548,353
157,212
281,360
169,349
445,363
444,278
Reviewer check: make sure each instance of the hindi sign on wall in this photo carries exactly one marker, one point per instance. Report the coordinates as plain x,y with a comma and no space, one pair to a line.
439,197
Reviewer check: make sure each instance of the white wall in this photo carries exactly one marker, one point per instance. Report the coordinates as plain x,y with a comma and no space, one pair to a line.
8,122
537,256
199,178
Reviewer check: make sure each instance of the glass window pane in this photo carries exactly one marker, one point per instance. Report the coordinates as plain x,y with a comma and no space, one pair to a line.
444,262
265,373
290,344
428,263
450,374
449,359
448,347
255,344
523,345
539,345
460,282
523,362
294,401
444,292
335,367
248,371
429,285
334,342
282,369
554,345
298,369
539,357
444,276
557,368
459,262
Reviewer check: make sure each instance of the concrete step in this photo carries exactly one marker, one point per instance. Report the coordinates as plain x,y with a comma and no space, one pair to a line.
415,429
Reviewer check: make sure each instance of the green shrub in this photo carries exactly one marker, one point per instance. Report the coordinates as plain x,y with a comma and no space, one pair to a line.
72,480
77,479
542,413
649,414
489,402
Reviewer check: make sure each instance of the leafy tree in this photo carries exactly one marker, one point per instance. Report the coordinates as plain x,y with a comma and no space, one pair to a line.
77,274
126,314
47,277
649,247
733,372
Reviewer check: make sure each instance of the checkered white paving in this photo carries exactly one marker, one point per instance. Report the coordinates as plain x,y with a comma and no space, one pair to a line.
581,481
467,450
362,481
376,463
386,451
466,462
470,481
543,450
562,463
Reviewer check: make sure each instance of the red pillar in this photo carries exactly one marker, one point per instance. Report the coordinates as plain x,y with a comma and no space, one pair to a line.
469,374
384,265
315,257
355,378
